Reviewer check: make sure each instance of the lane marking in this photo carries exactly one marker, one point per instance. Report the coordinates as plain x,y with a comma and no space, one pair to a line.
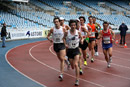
59,71
17,69
97,69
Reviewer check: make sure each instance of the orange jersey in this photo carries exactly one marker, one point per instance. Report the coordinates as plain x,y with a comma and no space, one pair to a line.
92,31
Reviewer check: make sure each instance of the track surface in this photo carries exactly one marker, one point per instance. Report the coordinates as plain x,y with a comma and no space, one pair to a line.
38,62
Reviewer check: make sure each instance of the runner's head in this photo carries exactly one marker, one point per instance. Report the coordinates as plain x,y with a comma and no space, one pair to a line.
61,21
73,24
82,20
56,21
90,18
94,19
78,23
105,25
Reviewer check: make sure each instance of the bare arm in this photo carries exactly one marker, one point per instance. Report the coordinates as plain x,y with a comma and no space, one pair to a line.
100,35
64,38
81,38
99,26
113,34
67,27
49,34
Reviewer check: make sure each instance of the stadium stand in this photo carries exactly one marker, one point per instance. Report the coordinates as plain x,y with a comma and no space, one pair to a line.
40,13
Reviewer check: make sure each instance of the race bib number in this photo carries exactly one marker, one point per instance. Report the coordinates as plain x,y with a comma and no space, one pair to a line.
73,44
57,40
57,37
106,40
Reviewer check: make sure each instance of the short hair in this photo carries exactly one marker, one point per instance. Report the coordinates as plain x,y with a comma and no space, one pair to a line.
94,17
56,17
72,21
90,17
105,22
83,18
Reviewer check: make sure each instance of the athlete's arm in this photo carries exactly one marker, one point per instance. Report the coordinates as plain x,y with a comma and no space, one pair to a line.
99,26
113,35
100,35
49,34
64,38
81,38
83,28
67,27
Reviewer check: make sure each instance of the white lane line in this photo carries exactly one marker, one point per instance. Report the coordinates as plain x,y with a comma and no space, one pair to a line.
120,52
59,71
20,71
116,57
99,70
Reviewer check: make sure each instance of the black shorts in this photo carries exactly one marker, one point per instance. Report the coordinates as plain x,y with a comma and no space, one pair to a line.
84,45
71,53
91,39
58,46
96,35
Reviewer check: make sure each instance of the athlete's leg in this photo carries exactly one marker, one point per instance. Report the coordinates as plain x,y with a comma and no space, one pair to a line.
110,54
75,62
84,56
96,48
80,61
71,62
92,50
80,58
105,54
62,54
106,57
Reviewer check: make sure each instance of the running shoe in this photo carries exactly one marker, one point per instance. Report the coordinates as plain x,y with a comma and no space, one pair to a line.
108,65
85,63
92,60
96,54
81,72
87,55
61,77
77,83
68,66
110,60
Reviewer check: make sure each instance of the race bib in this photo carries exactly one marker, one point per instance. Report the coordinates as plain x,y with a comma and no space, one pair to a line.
73,44
57,38
106,40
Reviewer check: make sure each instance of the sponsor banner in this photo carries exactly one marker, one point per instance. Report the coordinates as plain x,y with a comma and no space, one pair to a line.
25,34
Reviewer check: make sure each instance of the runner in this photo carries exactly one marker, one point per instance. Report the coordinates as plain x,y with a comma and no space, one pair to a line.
91,30
98,27
108,37
62,23
73,37
67,28
83,47
80,59
57,34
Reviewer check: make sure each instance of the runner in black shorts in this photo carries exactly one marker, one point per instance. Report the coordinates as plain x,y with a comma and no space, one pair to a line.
91,30
98,27
72,36
57,34
83,31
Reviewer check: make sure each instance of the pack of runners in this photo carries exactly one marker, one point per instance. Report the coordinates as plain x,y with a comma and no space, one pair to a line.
70,42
